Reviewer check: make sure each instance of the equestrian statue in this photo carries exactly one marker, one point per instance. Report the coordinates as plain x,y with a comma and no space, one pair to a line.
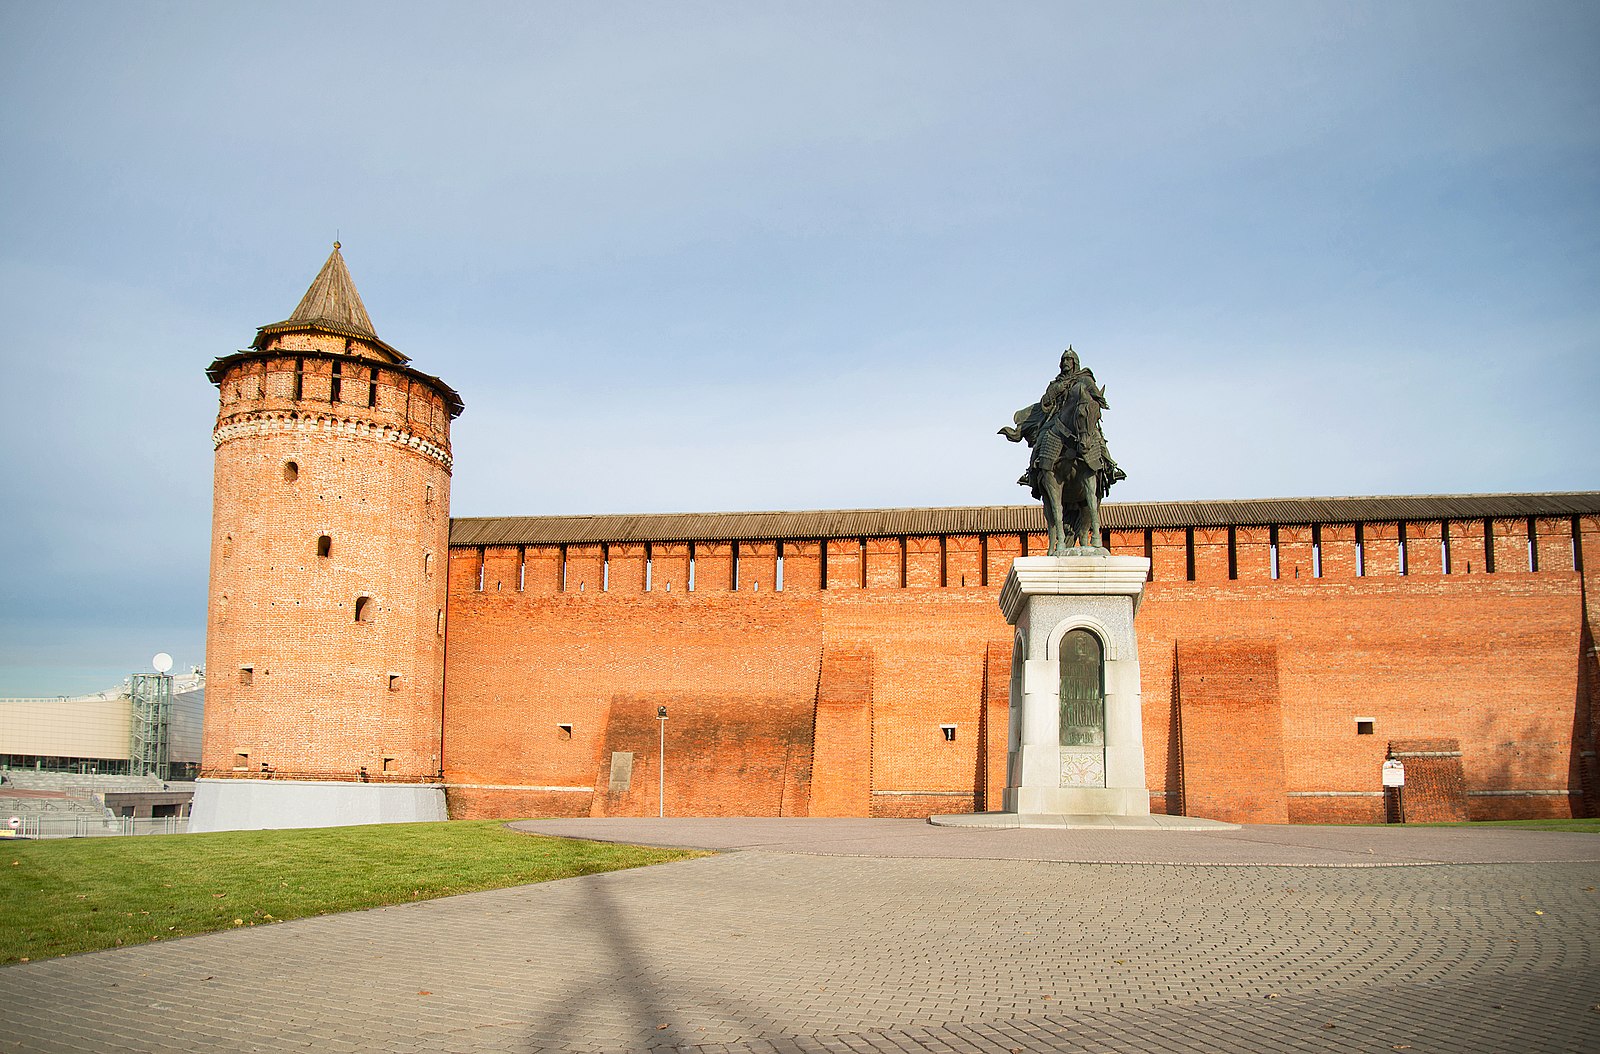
1070,468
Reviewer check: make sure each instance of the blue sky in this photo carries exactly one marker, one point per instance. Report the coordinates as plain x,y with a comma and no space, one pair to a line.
755,256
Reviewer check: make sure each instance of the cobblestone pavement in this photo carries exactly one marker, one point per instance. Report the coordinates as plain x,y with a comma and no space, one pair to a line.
766,951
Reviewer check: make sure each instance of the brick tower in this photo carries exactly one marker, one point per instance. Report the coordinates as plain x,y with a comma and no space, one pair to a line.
329,538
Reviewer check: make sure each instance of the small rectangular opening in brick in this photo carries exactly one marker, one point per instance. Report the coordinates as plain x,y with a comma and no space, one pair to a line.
1365,726
247,674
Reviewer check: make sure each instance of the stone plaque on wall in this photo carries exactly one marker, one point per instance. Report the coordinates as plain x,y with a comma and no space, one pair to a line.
621,771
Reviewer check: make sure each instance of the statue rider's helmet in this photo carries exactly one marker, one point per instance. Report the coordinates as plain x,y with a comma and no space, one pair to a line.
1069,360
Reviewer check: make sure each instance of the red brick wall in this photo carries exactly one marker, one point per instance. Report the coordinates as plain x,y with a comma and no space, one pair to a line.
759,747
1381,549
842,778
1338,550
1295,554
886,563
1231,721
1585,766
1253,553
1466,547
1211,554
1169,556
844,563
1494,660
996,714
1423,553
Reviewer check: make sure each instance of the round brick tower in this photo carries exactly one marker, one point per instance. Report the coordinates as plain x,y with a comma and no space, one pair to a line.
329,538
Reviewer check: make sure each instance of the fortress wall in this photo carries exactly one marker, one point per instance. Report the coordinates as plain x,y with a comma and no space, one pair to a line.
831,699
1481,659
802,566
843,564
1510,539
758,567
1586,764
522,666
1380,549
963,560
1297,552
1231,723
994,732
1212,554
1464,547
886,562
1253,553
669,567
1336,544
1553,541
841,778
1169,555
1120,542
1424,547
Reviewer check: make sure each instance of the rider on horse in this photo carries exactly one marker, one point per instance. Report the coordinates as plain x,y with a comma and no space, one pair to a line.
1070,467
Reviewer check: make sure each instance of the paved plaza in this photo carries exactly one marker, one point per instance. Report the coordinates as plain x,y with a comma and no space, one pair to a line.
893,935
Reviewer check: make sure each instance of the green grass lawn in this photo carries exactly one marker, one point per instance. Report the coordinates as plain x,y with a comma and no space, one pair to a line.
1591,826
80,894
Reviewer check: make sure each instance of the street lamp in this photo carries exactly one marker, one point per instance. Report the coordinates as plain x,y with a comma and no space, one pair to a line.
661,765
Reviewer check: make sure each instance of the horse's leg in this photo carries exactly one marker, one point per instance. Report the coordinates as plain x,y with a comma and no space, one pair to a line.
1069,515
1089,485
1053,512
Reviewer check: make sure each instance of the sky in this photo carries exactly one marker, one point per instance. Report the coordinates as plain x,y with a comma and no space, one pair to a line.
733,256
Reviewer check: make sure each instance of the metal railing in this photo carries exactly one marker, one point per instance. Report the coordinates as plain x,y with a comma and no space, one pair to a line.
96,827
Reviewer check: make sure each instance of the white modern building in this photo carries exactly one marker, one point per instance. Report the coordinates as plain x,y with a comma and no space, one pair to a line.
95,734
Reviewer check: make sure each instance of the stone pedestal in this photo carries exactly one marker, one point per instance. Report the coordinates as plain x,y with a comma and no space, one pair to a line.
1046,598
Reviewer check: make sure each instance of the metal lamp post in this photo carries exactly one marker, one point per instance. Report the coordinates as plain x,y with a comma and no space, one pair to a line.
661,765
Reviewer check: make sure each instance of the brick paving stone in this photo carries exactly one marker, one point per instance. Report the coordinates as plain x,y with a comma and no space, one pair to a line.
768,951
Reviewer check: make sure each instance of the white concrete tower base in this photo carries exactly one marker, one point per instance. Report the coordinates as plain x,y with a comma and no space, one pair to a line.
258,805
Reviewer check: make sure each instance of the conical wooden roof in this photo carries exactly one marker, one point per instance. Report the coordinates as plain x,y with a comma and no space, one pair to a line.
331,305
333,298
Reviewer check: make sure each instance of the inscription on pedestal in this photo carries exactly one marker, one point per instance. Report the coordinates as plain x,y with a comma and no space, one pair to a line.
1083,710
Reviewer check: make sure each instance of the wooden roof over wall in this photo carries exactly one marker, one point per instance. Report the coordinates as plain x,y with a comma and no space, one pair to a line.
1002,519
